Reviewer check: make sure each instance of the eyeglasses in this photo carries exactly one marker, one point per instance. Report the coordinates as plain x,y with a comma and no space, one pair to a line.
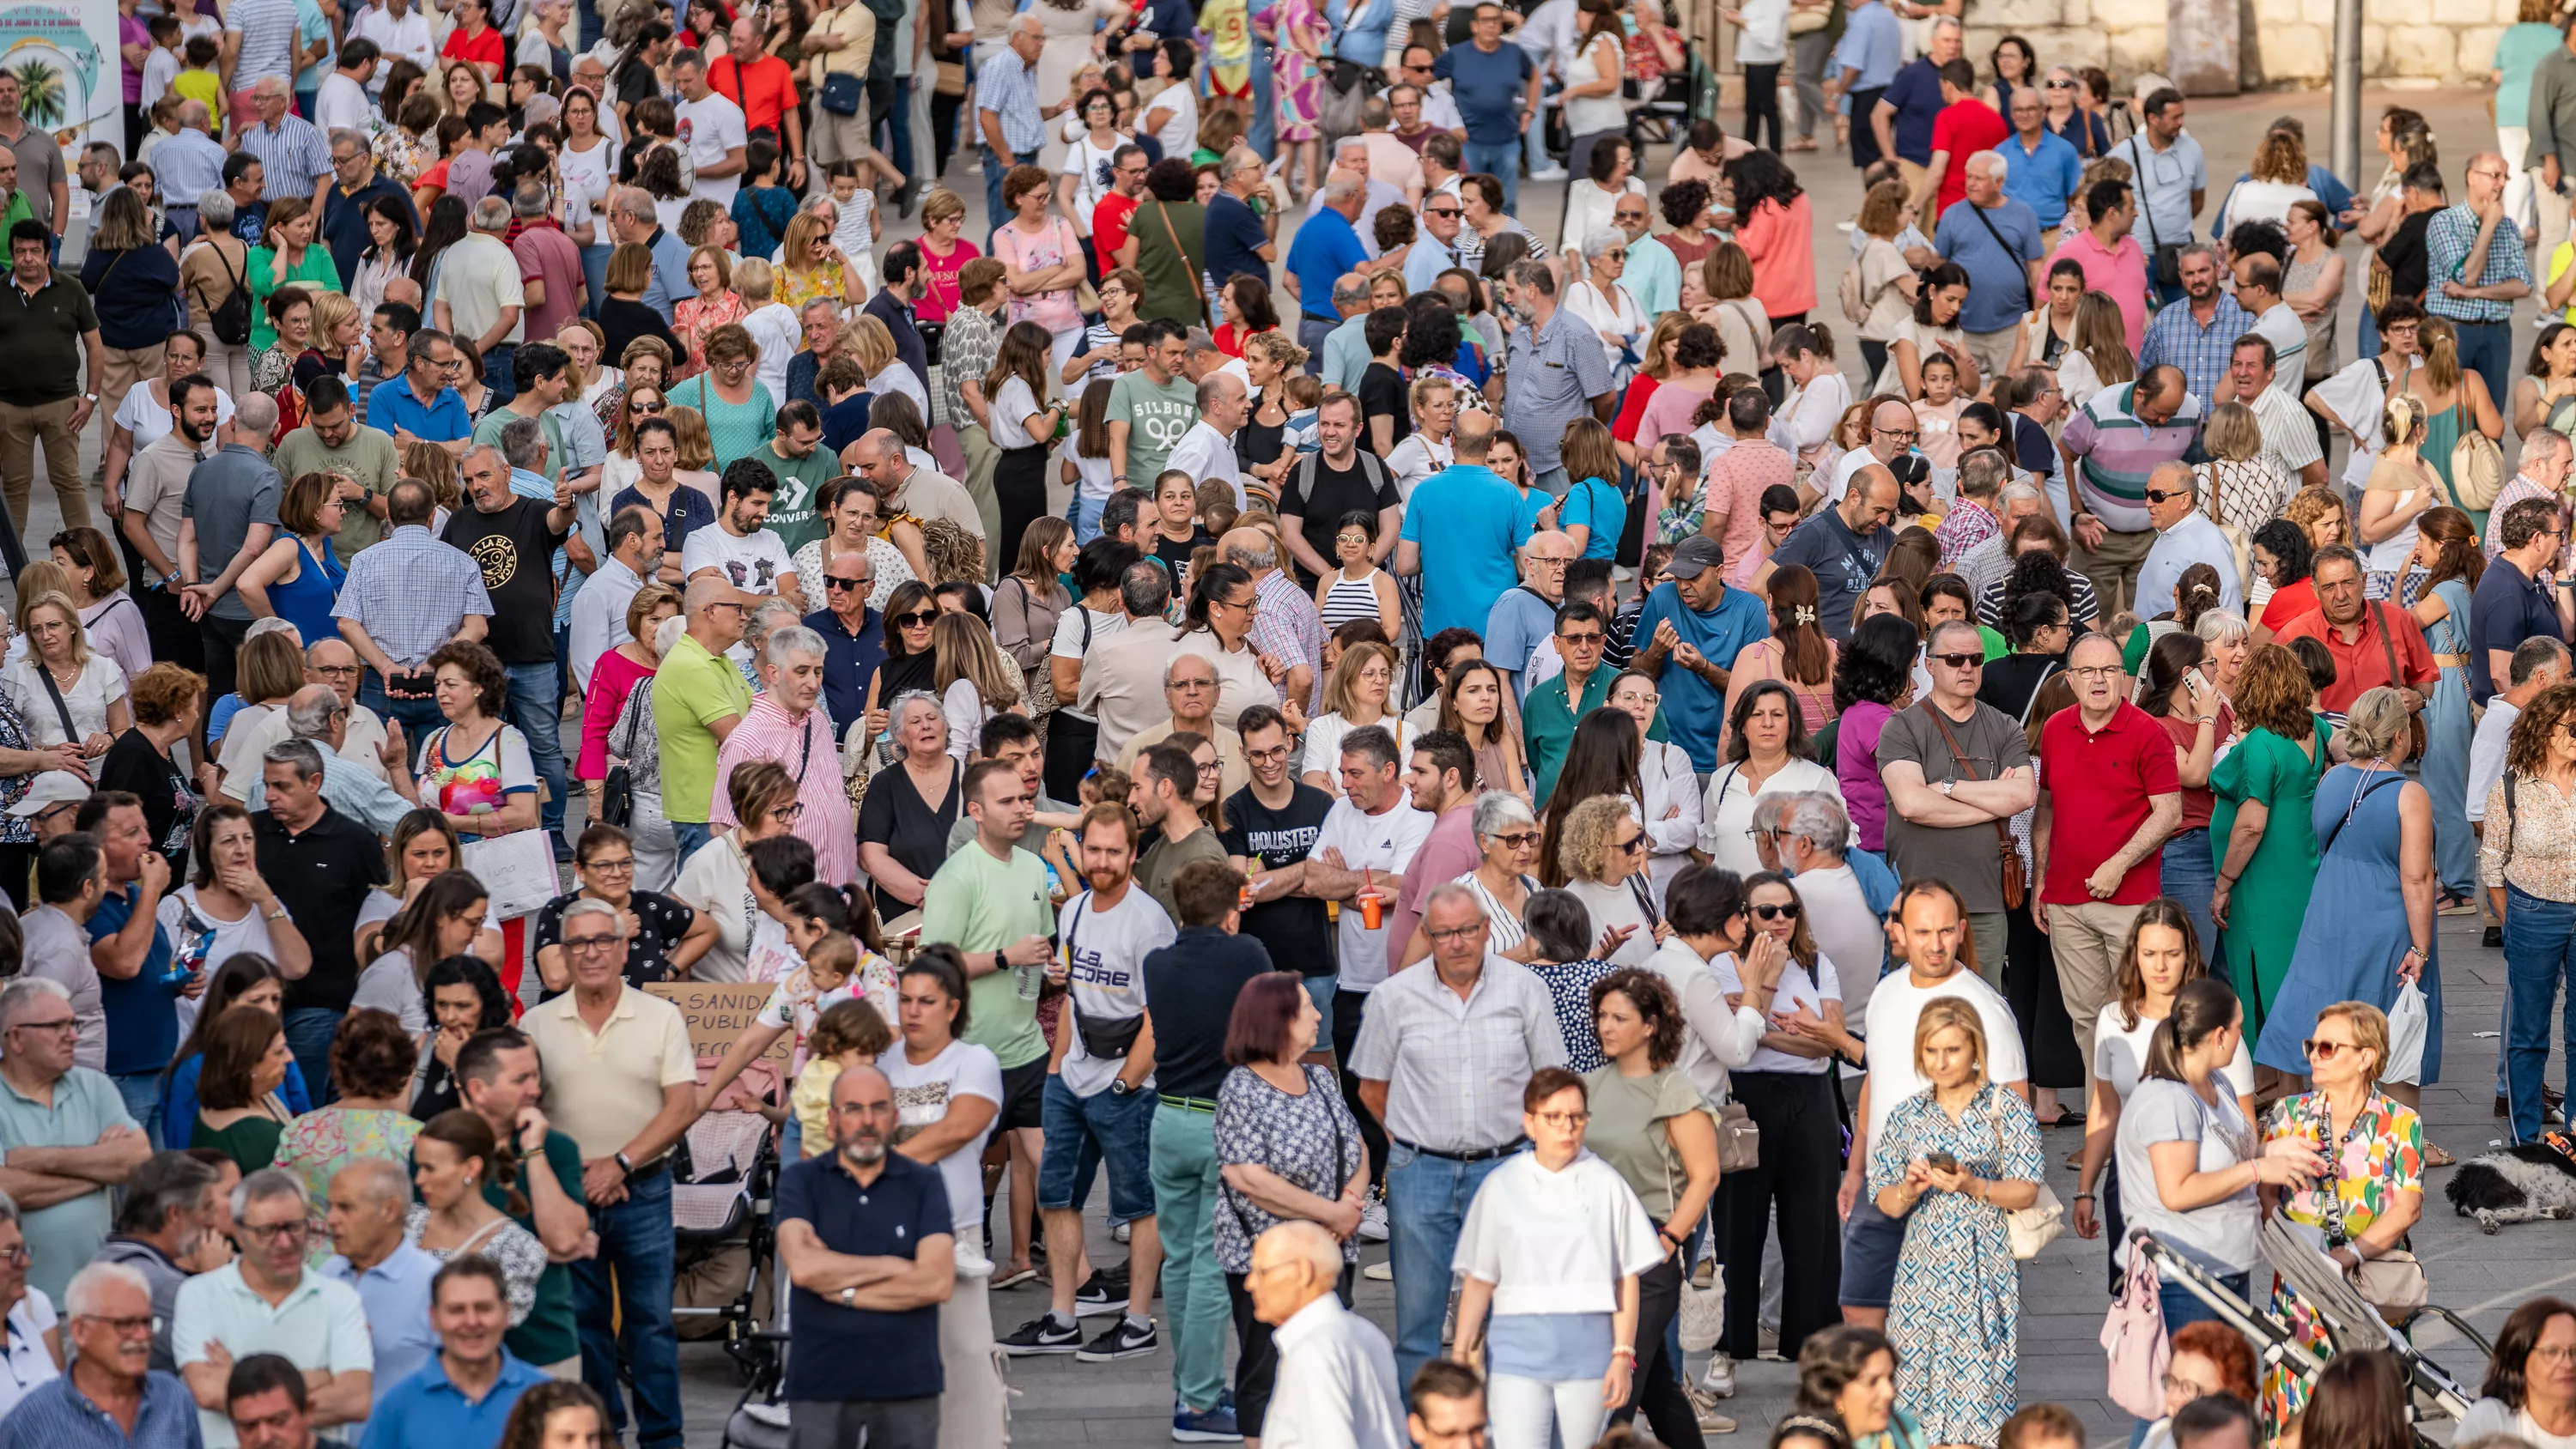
836,584
1961,661
1615,255
1459,933
1562,1120
1516,839
123,1327
1247,605
918,619
1442,211
1789,912
1577,641
789,813
625,863
2175,1384
592,945
2553,1354
1906,436
291,1228
1648,700
67,1024
2059,85
17,1256
2096,671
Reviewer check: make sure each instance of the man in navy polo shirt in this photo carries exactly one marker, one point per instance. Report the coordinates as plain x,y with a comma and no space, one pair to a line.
1238,240
868,1241
2521,601
1902,120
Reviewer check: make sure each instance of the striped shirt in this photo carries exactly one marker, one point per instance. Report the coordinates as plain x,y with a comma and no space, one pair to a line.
1286,627
411,593
2447,239
766,733
1007,86
2289,429
293,157
267,30
2114,451
2175,338
2280,326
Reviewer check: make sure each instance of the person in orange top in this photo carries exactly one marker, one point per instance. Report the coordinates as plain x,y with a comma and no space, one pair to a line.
2365,637
765,87
1776,229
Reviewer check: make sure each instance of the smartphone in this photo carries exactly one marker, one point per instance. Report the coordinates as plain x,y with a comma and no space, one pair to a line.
1942,1161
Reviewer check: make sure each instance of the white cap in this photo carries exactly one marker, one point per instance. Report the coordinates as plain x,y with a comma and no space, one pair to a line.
53,787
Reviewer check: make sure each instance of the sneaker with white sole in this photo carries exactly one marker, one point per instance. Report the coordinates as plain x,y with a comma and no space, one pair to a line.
1379,1272
1373,1221
1553,173
1042,1335
1719,1380
1704,1407
1120,1232
1204,1426
1123,1339
1105,1291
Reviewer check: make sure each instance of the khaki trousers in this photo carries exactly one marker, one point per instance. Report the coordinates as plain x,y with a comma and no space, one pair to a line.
2552,209
20,430
1992,350
229,366
119,371
2113,568
2087,941
981,458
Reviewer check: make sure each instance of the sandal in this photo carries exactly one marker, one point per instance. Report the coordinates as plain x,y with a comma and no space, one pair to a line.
2434,1156
1803,143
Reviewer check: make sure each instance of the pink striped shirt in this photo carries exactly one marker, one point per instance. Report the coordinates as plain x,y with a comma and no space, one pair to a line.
766,733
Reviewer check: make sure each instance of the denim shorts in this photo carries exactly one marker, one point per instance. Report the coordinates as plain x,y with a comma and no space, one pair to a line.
1082,1133
1872,1242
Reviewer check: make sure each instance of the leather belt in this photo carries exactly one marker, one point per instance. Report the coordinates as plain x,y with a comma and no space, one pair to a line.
1480,1154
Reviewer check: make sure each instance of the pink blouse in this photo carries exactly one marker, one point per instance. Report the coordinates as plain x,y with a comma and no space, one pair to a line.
1780,242
612,679
1055,311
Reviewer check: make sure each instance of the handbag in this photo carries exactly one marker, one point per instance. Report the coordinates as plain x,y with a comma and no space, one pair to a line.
2477,471
2394,1282
617,791
230,322
2016,879
1165,213
843,92
1808,19
2036,1226
1739,1140
2133,1338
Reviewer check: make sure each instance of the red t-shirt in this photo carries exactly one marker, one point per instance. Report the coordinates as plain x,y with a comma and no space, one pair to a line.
484,49
2100,790
940,296
1963,129
1633,410
2196,800
2362,665
2289,603
765,89
1109,220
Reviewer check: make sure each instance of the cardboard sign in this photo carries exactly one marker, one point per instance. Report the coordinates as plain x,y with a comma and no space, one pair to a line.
719,1012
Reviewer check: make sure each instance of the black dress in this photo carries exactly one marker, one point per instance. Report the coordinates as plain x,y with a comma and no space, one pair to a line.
623,322
913,830
170,804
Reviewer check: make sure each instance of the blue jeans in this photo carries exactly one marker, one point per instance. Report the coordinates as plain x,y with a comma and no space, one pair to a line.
636,1247
1553,482
417,716
994,170
142,1094
898,120
2191,877
2183,1307
1500,160
1084,515
534,706
498,374
2539,952
1426,1205
2486,348
1534,140
309,1030
1084,1134
594,277
688,837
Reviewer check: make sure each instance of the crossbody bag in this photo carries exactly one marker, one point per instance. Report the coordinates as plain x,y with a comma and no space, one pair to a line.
2165,263
1165,214
62,711
2388,651
2019,276
2016,879
1102,1040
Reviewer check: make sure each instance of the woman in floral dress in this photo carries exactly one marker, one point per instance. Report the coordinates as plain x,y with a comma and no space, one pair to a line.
372,1060
1297,76
1955,1317
2374,1145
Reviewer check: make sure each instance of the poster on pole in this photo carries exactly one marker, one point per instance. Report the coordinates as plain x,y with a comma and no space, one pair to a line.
71,81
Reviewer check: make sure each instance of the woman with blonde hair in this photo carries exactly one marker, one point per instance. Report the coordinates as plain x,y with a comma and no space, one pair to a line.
69,693
2403,484
714,306
435,467
2320,513
2450,561
1603,850
1433,403
2100,357
809,265
96,578
641,362
336,345
2277,179
867,339
975,679
2242,486
2455,400
697,449
1888,284
1359,693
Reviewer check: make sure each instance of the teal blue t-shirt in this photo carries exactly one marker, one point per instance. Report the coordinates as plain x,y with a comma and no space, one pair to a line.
1695,709
1596,504
2518,52
1467,559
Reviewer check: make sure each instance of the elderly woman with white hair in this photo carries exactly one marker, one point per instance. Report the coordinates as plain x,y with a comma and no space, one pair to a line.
1599,302
1507,837
911,804
785,725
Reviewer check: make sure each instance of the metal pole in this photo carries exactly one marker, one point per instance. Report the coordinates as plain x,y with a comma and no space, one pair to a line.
2347,90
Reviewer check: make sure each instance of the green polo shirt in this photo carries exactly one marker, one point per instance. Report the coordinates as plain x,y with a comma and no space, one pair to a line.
691,691
548,1335
67,1235
1547,724
487,434
977,904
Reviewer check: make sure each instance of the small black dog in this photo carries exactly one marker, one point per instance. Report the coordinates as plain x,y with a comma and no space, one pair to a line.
2522,1184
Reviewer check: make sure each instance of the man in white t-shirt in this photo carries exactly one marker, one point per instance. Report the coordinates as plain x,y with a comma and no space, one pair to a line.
342,103
740,550
401,32
1932,925
711,126
1808,838
1100,1100
1206,451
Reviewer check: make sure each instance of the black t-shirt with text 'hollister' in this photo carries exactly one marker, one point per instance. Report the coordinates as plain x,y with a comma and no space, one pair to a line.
1296,930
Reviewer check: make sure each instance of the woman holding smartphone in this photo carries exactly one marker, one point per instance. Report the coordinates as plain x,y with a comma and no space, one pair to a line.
2174,687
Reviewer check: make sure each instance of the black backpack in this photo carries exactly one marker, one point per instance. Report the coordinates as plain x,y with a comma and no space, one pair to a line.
231,322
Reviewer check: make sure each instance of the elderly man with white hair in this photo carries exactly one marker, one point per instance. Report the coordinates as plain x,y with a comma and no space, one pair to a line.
1206,451
480,300
190,163
2540,472
111,1383
372,1254
1351,163
784,726
1996,240
294,157
1985,563
2184,536
1336,1377
317,713
268,1301
70,1139
1524,617
1809,838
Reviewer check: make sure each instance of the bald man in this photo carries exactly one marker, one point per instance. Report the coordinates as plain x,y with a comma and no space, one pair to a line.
698,698
907,483
2484,279
1526,615
1844,546
1206,451
1336,1378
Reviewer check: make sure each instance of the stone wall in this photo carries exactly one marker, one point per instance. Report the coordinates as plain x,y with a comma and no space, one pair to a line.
2288,44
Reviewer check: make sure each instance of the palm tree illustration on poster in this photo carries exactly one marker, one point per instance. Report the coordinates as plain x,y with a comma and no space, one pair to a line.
62,58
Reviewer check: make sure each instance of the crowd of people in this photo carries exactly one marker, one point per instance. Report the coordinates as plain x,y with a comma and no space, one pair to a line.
1243,667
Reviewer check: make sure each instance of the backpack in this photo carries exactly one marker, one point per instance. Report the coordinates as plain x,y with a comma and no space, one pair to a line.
1855,307
231,322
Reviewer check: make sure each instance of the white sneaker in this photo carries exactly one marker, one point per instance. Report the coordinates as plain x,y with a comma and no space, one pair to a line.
1553,173
1380,1272
1373,1221
1120,1231
1720,1378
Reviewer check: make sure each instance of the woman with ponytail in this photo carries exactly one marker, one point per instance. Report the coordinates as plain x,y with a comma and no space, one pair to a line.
2187,1152
457,1165
2404,483
1799,653
2446,549
2454,400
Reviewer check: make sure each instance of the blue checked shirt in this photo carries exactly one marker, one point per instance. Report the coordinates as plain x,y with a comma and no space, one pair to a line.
2175,338
2447,239
411,593
293,157
1007,86
55,1415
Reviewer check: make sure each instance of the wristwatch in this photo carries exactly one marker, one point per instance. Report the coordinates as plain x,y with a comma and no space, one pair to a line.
625,1166
1118,1087
1948,788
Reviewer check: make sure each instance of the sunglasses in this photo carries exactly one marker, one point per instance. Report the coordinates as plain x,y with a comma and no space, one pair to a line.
1516,839
1631,845
647,409
2061,85
1442,211
920,619
1789,912
836,583
2324,1051
1961,661
2159,495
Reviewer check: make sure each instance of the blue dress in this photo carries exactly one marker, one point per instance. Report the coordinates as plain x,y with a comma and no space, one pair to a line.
2355,932
2447,731
1955,1316
306,603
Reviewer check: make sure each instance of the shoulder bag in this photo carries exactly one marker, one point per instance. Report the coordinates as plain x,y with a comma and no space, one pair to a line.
2021,276
2395,1282
2034,1227
2164,262
1102,1040
62,711
2388,651
1163,211
2133,1336
2477,470
2016,880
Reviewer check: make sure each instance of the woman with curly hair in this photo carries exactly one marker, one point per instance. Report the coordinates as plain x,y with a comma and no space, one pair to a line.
2039,550
2260,825
1873,678
1601,856
1776,230
2523,860
371,1068
1435,345
167,702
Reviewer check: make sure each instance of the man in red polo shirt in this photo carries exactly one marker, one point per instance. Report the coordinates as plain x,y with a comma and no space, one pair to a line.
765,89
2109,797
2366,638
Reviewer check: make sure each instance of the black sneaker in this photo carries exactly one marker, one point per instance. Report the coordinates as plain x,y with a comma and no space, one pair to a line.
1105,1291
1042,1335
1119,1340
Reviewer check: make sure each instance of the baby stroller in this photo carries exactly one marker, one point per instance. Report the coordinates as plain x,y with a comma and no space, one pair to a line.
2351,1323
722,1185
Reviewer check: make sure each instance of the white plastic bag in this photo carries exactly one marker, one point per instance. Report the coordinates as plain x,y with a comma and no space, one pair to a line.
2408,1022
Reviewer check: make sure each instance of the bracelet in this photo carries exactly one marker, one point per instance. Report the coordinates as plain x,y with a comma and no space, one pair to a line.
1622,1350
2084,1197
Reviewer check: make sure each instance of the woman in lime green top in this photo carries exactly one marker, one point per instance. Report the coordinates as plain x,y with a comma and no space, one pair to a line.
238,1110
2260,826
286,255
739,412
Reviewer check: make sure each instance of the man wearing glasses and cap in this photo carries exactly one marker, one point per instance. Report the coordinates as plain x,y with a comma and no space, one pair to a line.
1691,629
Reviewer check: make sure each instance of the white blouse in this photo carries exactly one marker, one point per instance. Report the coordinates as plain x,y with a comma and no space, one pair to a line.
1795,989
1728,808
1671,785
1556,1242
100,685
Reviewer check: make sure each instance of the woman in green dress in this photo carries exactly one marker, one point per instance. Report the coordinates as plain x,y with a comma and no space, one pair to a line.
239,1113
2259,826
